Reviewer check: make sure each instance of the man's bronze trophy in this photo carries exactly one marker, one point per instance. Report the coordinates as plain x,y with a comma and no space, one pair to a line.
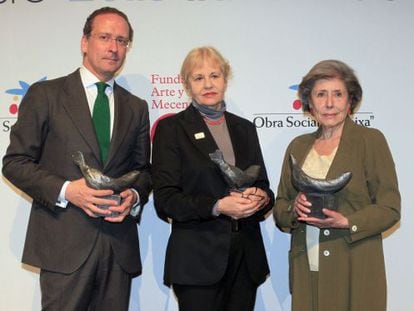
96,180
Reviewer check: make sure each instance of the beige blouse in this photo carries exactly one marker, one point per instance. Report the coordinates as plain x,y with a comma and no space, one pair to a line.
316,166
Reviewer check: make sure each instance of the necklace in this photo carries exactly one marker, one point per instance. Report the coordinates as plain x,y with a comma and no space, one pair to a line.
214,122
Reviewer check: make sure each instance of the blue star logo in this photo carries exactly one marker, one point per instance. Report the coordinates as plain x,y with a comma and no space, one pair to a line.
24,87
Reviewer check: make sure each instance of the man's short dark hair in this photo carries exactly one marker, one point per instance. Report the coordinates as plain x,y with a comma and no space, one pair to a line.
87,29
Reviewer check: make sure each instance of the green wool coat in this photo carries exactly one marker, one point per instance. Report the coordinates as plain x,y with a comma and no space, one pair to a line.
351,261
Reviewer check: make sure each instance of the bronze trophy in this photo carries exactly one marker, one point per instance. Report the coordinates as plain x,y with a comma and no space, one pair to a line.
237,179
320,192
97,180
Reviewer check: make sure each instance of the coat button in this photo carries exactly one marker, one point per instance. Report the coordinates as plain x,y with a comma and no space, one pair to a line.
326,253
354,228
326,232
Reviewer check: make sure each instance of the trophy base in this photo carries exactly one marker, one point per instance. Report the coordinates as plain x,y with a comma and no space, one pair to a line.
114,197
320,201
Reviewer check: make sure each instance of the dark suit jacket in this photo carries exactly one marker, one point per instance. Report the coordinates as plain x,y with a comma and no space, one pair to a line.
187,184
54,121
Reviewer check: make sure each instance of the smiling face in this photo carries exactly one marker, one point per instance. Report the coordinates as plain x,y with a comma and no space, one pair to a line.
330,103
207,84
105,58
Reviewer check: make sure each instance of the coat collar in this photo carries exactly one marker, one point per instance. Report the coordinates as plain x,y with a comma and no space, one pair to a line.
199,134
342,159
76,106
197,131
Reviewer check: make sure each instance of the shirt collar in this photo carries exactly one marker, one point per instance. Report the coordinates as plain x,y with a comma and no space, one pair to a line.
89,79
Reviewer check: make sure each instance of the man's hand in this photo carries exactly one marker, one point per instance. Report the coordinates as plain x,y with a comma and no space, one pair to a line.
86,198
128,200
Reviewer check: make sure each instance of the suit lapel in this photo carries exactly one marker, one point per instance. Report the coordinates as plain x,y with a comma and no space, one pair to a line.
342,159
198,132
122,121
77,108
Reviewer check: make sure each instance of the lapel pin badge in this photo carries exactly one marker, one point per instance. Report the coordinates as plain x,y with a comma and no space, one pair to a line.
199,135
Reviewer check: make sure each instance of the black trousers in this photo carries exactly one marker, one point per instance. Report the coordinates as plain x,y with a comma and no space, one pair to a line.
235,292
99,284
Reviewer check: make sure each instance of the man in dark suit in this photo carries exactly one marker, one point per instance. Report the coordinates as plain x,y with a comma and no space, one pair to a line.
87,254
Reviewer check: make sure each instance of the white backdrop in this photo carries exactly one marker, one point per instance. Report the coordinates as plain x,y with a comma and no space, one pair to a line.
270,44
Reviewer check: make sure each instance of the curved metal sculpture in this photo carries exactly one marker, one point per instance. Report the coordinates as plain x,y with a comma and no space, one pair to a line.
320,192
236,178
96,179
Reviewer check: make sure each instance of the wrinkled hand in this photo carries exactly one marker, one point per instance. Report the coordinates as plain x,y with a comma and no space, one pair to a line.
128,200
86,198
243,204
301,206
333,219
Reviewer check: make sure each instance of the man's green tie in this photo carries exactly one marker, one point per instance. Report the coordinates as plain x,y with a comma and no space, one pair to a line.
101,120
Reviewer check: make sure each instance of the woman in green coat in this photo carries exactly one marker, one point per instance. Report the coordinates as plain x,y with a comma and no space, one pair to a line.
336,262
